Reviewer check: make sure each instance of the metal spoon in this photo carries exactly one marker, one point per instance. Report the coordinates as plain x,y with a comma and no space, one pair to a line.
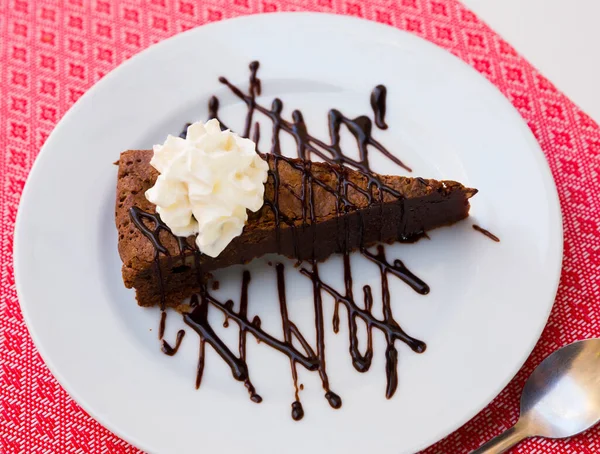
560,399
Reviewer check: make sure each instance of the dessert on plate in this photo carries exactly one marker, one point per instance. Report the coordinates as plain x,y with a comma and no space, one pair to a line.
208,199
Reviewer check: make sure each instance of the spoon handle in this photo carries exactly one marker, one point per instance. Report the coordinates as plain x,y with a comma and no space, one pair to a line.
504,441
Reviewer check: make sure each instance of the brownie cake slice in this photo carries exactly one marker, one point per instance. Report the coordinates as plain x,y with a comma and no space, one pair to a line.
311,210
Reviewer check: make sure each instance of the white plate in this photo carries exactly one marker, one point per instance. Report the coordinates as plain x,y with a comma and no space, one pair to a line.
488,304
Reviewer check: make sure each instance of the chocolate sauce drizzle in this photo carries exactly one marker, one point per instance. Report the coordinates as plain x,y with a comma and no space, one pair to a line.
142,220
378,104
167,349
487,233
360,127
388,326
312,359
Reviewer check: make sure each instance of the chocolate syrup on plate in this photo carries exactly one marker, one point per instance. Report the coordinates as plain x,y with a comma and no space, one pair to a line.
378,104
312,359
487,233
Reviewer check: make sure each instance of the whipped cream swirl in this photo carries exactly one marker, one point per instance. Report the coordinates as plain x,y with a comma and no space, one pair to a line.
207,183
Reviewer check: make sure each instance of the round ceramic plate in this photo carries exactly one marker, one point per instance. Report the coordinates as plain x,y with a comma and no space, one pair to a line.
488,301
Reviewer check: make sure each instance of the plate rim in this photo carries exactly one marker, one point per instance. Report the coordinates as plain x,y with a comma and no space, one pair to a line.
542,164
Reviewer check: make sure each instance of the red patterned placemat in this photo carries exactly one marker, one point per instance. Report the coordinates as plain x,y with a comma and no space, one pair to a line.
51,52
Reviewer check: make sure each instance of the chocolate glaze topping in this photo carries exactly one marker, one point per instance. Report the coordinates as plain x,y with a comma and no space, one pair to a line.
312,359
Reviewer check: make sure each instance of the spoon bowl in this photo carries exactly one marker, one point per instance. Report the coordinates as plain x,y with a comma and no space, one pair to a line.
562,396
560,399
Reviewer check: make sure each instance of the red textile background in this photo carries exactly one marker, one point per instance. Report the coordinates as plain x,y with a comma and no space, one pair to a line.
51,52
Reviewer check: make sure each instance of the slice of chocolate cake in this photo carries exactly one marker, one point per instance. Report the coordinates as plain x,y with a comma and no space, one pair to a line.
311,210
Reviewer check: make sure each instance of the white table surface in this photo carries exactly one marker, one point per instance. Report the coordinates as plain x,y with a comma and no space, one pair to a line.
561,38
